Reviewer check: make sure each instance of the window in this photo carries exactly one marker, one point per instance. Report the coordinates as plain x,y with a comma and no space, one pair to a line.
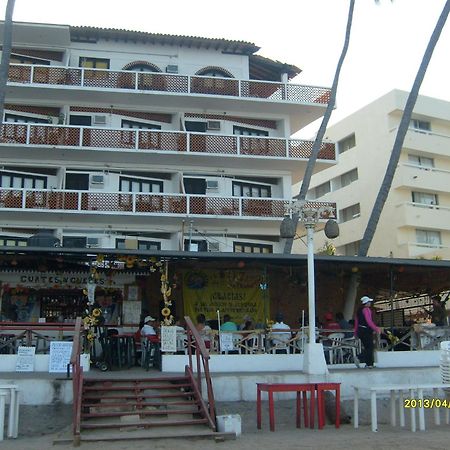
74,241
241,189
195,245
142,245
349,177
350,249
13,241
21,59
421,125
139,125
94,63
349,213
346,143
19,181
243,131
421,161
23,119
322,189
424,198
427,237
197,127
139,185
214,72
246,247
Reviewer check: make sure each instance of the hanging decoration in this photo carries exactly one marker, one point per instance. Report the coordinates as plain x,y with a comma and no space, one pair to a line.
166,291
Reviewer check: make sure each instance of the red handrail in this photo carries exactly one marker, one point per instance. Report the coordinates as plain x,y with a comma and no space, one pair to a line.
77,382
202,355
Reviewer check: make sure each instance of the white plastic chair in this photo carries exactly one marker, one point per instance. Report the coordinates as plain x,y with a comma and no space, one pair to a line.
334,347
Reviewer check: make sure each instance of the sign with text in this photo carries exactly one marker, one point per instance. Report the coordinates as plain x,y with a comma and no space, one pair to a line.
232,292
25,359
168,339
60,352
226,342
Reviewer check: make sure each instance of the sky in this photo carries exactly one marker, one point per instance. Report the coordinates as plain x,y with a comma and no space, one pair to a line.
387,41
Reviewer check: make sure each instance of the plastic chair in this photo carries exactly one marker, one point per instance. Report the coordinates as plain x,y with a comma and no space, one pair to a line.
334,347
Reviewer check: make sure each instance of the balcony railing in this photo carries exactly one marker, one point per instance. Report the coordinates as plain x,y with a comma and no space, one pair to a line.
171,141
137,203
162,82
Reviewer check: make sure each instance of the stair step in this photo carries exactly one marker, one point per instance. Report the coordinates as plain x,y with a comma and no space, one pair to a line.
137,395
135,403
134,380
141,412
135,387
166,423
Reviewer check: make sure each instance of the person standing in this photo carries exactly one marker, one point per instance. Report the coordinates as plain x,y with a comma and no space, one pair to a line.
364,328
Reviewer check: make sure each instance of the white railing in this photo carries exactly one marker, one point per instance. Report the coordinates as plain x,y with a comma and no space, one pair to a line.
162,82
157,140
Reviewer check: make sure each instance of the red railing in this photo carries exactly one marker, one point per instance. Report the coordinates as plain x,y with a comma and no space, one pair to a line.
161,82
194,340
77,381
155,140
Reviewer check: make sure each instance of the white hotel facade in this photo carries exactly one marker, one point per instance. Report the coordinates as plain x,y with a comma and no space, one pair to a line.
415,222
123,139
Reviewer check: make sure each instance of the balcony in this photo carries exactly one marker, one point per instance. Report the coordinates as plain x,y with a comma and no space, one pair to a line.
64,84
87,202
168,144
421,178
419,215
427,142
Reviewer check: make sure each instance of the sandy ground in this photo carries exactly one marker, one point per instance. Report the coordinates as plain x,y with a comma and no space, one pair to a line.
39,426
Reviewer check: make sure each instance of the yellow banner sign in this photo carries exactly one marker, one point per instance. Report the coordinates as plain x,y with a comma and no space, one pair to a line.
232,292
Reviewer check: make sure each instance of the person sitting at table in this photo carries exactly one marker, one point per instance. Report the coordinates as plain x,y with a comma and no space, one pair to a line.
344,324
227,324
149,326
330,323
438,314
280,338
204,330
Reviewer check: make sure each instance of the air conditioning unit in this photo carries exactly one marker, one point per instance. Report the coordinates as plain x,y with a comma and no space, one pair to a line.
214,247
92,242
213,125
99,120
212,184
97,179
172,68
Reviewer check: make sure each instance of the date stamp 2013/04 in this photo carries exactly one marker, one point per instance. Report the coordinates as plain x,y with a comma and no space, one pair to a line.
426,403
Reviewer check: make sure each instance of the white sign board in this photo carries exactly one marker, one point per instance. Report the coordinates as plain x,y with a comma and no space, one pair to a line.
25,359
226,342
131,312
60,352
168,339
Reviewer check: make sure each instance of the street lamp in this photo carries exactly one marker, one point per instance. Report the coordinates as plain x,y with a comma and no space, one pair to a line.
310,214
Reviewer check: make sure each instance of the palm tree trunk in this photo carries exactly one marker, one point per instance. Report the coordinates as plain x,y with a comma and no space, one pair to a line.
394,158
323,126
6,53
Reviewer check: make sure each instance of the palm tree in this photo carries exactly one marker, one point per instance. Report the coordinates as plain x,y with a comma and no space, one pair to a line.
6,53
323,126
395,155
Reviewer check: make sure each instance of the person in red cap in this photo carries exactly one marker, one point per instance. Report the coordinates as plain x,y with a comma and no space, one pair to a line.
364,328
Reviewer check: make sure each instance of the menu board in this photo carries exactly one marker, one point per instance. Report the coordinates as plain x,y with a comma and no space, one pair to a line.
131,312
168,339
60,352
25,359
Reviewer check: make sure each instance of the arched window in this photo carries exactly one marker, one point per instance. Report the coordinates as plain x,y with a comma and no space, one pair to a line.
142,66
213,71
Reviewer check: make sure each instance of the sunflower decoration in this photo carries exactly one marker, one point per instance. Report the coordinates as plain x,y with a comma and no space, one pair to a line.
166,292
269,324
91,321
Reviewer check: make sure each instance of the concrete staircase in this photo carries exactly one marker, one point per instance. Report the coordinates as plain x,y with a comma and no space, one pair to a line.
162,407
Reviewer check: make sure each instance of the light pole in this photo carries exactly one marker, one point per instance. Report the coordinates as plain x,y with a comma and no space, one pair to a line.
310,214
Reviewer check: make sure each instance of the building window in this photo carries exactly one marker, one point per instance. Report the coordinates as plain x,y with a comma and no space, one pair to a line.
241,189
349,213
350,249
430,238
247,247
322,189
420,125
21,59
349,177
23,119
424,198
74,241
94,63
346,143
19,181
139,185
139,125
214,72
13,241
421,161
243,131
195,245
141,245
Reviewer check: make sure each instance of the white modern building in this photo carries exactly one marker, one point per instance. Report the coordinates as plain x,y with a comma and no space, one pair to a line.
415,222
125,139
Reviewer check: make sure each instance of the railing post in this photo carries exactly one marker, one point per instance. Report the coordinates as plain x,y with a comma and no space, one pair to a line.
24,196
188,142
133,198
82,77
136,145
79,200
31,74
188,204
80,143
239,88
189,84
287,145
28,133
240,206
136,81
238,145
